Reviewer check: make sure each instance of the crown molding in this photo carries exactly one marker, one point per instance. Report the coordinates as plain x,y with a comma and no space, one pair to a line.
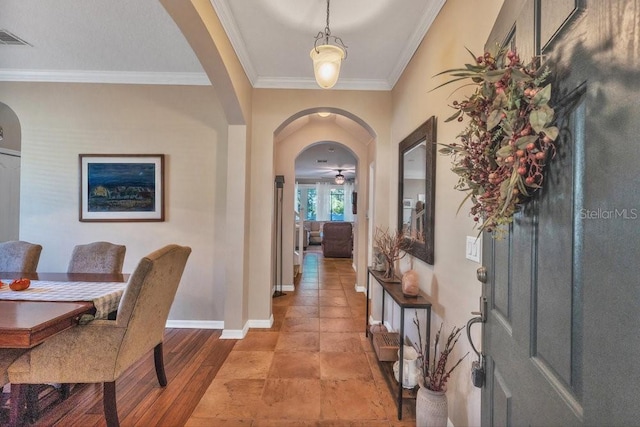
237,42
414,42
114,77
310,83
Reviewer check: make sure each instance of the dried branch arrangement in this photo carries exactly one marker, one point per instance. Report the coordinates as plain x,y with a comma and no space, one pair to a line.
434,370
393,247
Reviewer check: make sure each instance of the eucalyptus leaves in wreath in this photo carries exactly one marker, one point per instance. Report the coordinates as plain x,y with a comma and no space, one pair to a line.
502,152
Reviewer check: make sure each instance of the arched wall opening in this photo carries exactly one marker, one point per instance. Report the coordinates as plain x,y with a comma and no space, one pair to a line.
297,134
10,162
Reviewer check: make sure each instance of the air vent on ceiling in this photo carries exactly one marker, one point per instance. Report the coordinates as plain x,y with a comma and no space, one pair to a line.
7,38
321,161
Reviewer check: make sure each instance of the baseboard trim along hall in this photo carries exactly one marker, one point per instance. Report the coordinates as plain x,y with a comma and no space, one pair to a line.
195,324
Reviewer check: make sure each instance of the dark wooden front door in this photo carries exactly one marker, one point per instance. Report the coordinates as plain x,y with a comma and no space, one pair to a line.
562,337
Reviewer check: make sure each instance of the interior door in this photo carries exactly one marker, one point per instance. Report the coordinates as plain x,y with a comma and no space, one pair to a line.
561,338
9,196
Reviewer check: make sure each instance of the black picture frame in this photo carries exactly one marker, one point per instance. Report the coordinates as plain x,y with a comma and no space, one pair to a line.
121,187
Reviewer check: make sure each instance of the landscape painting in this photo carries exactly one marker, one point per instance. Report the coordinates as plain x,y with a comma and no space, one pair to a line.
121,187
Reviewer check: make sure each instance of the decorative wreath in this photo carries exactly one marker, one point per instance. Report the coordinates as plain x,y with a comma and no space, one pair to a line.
502,152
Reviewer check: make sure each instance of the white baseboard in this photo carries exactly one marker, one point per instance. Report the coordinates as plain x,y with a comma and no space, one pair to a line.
231,334
289,288
238,334
261,324
195,324
362,289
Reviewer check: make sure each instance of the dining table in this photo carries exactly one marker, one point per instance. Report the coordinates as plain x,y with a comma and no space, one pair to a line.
54,302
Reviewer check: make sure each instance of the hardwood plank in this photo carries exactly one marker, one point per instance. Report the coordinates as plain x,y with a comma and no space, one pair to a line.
175,394
192,359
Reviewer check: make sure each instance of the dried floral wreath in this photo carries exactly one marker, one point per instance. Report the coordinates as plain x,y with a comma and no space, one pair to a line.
502,151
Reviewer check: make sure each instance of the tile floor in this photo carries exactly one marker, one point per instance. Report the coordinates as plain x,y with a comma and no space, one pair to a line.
314,367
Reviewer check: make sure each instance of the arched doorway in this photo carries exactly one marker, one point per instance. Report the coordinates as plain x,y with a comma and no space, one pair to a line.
325,191
308,130
10,148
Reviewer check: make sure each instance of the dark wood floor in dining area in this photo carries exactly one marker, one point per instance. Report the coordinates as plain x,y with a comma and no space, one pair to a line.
192,359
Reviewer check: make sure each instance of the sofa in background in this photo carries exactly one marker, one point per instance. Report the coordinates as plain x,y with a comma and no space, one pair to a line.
337,240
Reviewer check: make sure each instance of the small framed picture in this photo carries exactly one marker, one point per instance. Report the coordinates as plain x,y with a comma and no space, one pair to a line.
121,187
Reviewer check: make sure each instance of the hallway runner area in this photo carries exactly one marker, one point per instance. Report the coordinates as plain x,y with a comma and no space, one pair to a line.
314,367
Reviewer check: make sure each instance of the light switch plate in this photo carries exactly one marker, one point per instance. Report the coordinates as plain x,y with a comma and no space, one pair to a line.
474,246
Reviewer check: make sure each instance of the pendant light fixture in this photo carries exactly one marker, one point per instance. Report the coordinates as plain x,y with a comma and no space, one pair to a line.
327,57
339,178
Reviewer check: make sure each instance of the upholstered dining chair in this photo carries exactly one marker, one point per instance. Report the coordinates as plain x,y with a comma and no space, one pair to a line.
19,256
100,351
7,357
97,257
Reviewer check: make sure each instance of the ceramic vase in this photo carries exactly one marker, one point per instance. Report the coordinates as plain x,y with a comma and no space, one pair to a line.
410,284
431,408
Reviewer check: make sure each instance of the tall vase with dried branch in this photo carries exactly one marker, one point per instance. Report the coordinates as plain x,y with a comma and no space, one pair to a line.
393,247
431,400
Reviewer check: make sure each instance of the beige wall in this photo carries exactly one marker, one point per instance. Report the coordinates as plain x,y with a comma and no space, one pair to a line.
451,281
60,121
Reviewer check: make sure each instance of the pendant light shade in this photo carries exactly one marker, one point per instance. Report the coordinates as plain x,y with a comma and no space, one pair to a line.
339,178
327,57
326,64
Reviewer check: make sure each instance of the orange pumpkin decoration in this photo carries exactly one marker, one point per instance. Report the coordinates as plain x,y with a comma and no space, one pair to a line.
20,284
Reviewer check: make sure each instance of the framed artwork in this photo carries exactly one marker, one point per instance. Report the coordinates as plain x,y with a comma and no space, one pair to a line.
121,187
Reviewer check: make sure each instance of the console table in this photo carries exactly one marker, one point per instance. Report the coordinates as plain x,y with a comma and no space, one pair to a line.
394,290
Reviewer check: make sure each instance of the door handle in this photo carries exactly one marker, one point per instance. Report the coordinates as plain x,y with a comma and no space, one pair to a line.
481,274
477,367
469,324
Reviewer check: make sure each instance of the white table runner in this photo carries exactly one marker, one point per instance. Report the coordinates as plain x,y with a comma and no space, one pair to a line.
104,295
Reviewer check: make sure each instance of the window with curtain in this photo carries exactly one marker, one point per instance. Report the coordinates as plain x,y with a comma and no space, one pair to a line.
336,212
325,201
306,201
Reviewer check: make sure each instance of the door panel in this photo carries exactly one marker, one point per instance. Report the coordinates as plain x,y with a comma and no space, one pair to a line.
557,284
502,400
554,15
563,290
